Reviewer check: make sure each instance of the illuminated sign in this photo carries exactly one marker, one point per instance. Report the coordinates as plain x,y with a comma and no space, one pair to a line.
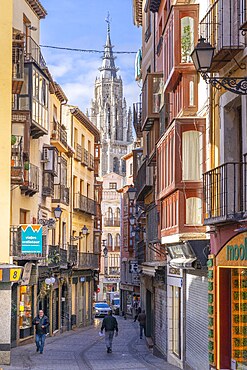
31,239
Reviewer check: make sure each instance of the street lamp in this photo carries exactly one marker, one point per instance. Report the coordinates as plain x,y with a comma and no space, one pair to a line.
84,230
58,212
202,57
131,193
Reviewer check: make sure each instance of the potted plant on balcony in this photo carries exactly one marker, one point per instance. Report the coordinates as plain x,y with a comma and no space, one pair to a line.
13,139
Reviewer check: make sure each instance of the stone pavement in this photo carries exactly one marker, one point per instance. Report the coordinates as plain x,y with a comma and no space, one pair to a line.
84,349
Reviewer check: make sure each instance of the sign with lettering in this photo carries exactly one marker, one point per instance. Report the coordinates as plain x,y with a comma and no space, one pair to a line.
234,252
31,239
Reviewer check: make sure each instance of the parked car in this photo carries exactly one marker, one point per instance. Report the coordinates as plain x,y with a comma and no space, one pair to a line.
101,309
115,306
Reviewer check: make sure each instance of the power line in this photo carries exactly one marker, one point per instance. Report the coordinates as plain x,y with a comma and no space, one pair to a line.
85,50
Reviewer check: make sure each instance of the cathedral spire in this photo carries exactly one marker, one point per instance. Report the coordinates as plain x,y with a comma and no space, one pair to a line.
108,69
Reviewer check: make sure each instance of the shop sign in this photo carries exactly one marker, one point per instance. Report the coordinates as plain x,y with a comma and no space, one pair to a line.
26,273
31,239
234,253
127,287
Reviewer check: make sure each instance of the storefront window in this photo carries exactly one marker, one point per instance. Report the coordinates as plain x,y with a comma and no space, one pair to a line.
176,324
25,310
239,316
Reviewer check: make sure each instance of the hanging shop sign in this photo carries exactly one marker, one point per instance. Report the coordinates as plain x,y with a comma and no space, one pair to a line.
26,273
234,252
31,239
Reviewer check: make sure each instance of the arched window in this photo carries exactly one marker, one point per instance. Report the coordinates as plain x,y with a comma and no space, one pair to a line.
116,165
117,240
109,217
117,214
109,240
187,39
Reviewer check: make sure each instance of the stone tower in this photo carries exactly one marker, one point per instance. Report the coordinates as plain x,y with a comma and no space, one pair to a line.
110,114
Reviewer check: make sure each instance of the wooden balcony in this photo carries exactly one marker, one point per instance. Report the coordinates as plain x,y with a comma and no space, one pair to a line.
137,119
151,98
143,181
61,194
59,138
225,192
220,27
30,184
84,204
88,261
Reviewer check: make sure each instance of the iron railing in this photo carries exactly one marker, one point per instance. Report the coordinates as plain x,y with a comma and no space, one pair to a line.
48,185
61,194
91,162
73,254
137,118
112,222
225,192
57,256
88,260
59,133
243,14
17,62
30,185
17,168
33,52
84,204
143,181
84,158
220,26
78,152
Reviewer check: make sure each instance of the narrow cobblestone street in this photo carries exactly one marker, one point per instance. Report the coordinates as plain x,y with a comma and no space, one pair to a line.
84,349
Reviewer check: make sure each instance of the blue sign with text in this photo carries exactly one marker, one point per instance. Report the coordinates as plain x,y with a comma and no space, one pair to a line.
31,239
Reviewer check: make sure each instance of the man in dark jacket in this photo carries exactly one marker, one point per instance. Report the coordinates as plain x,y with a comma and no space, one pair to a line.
41,323
142,321
109,324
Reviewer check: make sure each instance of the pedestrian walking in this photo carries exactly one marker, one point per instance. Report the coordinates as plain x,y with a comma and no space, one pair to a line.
138,311
142,322
41,323
110,325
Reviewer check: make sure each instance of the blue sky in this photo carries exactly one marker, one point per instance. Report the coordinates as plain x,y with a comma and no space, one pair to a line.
81,24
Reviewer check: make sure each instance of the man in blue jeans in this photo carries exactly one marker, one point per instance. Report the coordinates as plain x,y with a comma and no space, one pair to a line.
109,324
41,323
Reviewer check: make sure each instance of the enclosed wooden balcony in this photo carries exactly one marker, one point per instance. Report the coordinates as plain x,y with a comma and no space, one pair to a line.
84,204
220,27
59,137
151,98
30,184
137,119
225,192
61,194
88,261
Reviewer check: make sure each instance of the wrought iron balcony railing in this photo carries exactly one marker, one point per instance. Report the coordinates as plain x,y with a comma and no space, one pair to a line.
17,65
30,185
84,204
33,53
143,181
112,222
137,118
57,256
59,134
88,260
84,158
73,254
17,169
91,162
48,185
61,194
220,27
225,192
78,152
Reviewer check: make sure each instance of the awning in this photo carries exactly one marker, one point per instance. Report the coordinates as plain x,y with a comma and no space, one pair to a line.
183,263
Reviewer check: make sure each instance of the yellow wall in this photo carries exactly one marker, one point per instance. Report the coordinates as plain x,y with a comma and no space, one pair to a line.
5,127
